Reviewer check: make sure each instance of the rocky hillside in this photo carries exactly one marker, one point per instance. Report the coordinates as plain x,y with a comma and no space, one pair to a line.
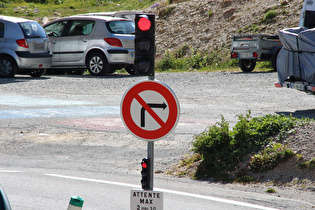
209,24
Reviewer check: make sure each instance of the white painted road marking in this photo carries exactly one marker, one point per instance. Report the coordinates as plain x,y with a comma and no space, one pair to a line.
221,200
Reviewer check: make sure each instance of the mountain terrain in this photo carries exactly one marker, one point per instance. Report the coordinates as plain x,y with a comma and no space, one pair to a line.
209,25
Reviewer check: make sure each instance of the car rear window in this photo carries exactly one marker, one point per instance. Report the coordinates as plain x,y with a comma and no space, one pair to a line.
32,30
121,27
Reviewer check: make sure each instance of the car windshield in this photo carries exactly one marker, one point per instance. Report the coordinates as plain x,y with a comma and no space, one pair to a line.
32,30
121,27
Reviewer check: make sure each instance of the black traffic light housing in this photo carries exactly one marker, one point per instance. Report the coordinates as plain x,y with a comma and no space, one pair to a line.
145,174
144,44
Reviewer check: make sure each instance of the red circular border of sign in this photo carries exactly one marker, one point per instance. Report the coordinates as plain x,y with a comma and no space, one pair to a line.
171,102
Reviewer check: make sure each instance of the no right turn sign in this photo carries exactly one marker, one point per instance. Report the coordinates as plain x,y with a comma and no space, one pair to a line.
150,110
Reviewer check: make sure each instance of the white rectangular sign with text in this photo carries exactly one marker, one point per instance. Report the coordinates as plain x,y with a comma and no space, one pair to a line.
146,200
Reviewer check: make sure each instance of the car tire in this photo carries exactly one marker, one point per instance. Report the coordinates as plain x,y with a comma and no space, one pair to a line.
38,72
97,64
247,65
8,67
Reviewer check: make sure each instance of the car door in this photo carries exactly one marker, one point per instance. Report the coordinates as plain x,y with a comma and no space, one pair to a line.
56,32
76,41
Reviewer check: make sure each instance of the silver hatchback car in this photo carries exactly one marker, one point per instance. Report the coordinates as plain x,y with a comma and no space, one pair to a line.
24,47
100,44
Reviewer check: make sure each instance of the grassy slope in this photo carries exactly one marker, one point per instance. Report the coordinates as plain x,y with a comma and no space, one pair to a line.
35,9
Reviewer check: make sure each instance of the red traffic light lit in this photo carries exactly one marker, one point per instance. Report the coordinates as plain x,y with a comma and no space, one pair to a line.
144,164
144,24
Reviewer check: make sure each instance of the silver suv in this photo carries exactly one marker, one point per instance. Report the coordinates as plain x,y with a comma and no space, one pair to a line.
100,44
24,47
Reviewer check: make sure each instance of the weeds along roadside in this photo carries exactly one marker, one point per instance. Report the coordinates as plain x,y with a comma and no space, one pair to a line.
254,145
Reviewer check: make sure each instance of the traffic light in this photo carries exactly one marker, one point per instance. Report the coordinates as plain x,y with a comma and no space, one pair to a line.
144,44
145,173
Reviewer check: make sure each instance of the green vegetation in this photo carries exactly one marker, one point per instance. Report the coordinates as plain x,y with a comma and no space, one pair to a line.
188,58
268,158
270,15
252,139
271,190
165,11
250,29
308,164
210,13
42,8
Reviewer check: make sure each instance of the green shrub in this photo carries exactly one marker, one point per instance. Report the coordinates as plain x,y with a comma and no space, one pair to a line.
271,14
271,156
271,190
222,149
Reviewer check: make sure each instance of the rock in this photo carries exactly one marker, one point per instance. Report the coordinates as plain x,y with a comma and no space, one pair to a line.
228,13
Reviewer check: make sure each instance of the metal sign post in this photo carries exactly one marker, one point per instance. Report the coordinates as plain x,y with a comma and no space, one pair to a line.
151,150
151,159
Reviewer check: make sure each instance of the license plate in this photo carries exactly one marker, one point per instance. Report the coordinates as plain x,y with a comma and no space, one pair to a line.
298,86
39,45
246,55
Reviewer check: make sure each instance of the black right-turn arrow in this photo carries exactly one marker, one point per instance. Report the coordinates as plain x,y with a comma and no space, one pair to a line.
160,106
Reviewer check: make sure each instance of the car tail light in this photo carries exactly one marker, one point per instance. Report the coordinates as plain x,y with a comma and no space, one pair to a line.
255,54
22,43
278,85
234,55
113,42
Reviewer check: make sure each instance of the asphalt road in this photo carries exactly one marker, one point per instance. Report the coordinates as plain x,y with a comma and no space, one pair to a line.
63,136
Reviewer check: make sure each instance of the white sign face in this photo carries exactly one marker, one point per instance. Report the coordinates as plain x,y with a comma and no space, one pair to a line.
146,200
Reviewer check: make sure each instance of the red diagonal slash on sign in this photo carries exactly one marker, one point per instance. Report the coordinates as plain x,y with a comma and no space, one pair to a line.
150,110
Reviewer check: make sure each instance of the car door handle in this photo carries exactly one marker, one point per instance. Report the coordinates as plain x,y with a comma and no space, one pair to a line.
84,40
54,41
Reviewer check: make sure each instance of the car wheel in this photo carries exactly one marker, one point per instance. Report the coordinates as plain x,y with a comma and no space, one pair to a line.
38,72
8,67
97,64
247,65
